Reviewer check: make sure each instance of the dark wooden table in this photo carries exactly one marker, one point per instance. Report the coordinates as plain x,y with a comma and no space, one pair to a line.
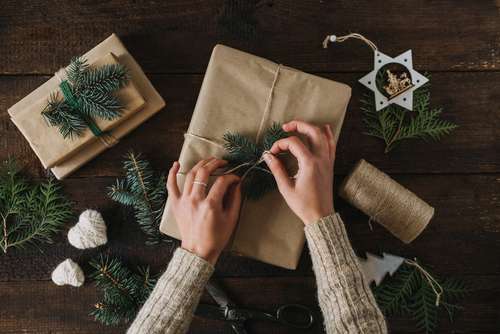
457,42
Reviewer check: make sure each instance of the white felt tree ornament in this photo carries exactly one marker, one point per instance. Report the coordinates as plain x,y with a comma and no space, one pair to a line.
375,267
89,232
68,272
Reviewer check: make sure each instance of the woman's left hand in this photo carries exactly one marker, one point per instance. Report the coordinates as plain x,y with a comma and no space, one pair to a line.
204,223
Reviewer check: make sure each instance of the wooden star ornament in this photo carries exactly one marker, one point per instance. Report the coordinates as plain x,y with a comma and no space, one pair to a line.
403,96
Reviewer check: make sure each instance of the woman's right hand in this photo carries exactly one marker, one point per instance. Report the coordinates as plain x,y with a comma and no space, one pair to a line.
310,192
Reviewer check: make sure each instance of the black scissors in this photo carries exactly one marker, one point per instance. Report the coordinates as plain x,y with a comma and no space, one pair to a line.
229,312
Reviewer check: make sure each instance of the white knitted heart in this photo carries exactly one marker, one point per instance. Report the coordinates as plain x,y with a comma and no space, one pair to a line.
89,232
68,272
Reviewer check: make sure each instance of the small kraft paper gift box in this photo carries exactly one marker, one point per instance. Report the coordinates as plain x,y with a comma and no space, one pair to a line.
63,156
244,93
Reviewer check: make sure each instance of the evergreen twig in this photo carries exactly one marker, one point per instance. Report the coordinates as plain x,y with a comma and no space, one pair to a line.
29,215
92,88
124,292
146,191
244,159
409,293
391,123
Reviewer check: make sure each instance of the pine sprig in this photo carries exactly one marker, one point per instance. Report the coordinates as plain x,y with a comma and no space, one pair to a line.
92,89
409,293
244,159
124,292
29,215
146,191
391,124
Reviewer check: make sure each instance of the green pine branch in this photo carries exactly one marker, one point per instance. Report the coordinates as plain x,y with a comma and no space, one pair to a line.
146,191
92,89
393,126
409,293
29,215
124,292
244,160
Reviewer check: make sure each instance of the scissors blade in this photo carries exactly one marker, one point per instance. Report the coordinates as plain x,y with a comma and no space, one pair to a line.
219,295
234,316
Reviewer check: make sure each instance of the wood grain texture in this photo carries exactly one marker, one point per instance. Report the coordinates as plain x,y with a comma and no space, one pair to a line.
465,219
456,41
42,307
444,36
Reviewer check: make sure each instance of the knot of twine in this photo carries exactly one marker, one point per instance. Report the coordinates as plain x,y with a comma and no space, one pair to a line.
254,166
107,139
89,232
68,272
386,201
333,38
429,278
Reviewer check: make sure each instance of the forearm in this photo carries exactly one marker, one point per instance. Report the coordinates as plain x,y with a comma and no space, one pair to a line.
171,305
346,300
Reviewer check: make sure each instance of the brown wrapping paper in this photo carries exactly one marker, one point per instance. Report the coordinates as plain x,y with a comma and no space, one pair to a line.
48,143
241,92
132,120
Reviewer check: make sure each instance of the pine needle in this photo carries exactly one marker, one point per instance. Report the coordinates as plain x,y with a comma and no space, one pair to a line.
146,191
124,292
92,88
243,159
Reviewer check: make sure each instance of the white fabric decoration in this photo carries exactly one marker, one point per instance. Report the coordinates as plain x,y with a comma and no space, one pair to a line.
89,232
68,272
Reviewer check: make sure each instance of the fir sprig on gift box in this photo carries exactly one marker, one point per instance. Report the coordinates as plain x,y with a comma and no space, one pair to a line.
124,292
91,97
392,123
245,159
29,214
408,292
146,191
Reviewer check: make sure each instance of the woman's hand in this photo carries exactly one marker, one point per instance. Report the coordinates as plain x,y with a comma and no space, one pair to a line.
310,192
204,224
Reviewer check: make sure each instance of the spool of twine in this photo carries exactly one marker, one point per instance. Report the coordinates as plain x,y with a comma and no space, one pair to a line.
396,208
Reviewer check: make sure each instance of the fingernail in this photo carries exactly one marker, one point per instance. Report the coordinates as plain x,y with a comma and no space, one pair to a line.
268,157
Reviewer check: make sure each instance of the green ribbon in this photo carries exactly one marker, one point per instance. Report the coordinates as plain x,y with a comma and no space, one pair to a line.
75,106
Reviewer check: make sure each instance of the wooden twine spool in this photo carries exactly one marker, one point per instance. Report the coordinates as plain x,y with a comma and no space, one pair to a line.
386,201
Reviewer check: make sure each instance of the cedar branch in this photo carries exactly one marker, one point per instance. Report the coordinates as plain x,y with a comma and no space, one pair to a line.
393,138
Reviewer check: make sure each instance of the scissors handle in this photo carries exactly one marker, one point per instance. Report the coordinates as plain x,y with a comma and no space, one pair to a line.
298,307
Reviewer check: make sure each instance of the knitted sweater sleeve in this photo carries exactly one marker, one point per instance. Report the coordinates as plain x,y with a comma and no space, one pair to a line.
345,299
171,305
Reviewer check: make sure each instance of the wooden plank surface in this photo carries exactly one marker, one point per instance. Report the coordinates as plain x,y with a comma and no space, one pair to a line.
471,148
456,41
61,314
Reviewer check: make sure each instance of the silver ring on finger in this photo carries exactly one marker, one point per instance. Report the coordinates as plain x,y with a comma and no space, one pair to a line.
201,183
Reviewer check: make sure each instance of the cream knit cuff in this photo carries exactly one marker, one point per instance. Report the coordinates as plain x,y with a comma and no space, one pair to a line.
171,305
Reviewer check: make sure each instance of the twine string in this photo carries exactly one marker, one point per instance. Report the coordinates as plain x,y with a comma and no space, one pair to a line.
268,104
429,278
106,138
264,117
333,38
386,201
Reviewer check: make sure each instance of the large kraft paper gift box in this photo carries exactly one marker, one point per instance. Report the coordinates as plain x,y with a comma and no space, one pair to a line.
244,93
63,156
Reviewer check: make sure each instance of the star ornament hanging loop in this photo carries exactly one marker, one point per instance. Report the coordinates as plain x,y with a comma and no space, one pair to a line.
402,97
